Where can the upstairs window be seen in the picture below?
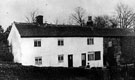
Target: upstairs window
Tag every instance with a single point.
(60, 42)
(90, 41)
(38, 60)
(60, 58)
(37, 43)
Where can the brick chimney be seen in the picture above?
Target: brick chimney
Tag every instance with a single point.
(90, 22)
(39, 19)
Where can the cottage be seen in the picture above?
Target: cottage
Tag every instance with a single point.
(41, 44)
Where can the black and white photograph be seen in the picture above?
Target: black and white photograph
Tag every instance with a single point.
(67, 40)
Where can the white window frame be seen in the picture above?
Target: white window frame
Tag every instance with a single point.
(60, 58)
(91, 56)
(90, 41)
(38, 60)
(37, 43)
(60, 42)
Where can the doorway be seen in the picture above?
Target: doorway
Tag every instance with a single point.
(70, 60)
(83, 59)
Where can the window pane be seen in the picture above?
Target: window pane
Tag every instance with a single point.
(38, 60)
(60, 42)
(91, 57)
(97, 55)
(39, 43)
(60, 58)
(90, 41)
(84, 57)
(35, 43)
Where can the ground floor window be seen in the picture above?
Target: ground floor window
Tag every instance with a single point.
(60, 58)
(38, 60)
(91, 56)
(94, 55)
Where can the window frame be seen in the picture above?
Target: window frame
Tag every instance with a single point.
(95, 56)
(90, 41)
(91, 54)
(37, 43)
(60, 42)
(60, 58)
(91, 57)
(38, 60)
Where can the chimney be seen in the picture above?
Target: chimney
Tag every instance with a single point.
(90, 22)
(39, 19)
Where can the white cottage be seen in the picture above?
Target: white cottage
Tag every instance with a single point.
(55, 45)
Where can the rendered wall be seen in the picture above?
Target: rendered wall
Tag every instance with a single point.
(50, 50)
(15, 41)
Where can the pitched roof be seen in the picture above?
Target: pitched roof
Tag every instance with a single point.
(33, 30)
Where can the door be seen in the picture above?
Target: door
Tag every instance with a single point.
(70, 60)
(83, 59)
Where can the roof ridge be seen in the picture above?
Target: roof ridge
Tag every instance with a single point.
(22, 23)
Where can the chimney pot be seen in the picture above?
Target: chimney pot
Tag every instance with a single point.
(89, 22)
(39, 19)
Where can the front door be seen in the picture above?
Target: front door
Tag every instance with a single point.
(70, 60)
(83, 59)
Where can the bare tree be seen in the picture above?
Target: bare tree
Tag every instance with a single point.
(125, 16)
(70, 21)
(79, 15)
(31, 17)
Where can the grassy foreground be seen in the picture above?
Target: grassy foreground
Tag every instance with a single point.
(11, 71)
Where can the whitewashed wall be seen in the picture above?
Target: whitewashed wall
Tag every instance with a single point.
(15, 41)
(49, 51)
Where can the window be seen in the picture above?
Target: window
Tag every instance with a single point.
(91, 57)
(97, 55)
(90, 41)
(38, 60)
(60, 42)
(94, 55)
(60, 58)
(37, 43)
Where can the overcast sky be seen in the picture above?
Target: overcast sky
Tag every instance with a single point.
(16, 10)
